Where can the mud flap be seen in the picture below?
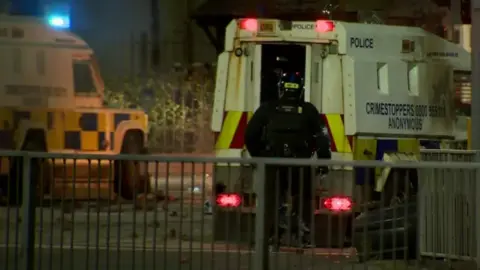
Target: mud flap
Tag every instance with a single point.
(385, 172)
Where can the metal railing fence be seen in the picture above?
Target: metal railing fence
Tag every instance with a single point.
(100, 212)
(447, 205)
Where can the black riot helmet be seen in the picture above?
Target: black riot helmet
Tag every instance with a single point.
(291, 86)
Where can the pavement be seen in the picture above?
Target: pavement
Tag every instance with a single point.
(83, 259)
(172, 258)
(90, 239)
(90, 225)
(110, 238)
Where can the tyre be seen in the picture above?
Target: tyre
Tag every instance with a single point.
(131, 177)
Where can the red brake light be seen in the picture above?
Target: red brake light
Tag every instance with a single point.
(338, 204)
(228, 200)
(324, 26)
(249, 25)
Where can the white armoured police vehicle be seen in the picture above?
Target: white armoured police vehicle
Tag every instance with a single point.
(380, 90)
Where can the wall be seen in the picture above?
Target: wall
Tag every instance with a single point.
(114, 28)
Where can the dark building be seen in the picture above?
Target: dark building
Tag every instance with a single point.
(134, 36)
(120, 31)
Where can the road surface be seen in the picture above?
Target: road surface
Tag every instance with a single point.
(91, 239)
(171, 259)
(102, 225)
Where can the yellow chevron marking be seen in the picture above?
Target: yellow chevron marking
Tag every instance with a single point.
(338, 133)
(408, 146)
(362, 144)
(229, 127)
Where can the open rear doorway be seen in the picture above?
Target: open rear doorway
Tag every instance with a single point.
(278, 59)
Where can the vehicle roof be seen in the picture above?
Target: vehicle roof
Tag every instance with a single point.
(38, 32)
(387, 41)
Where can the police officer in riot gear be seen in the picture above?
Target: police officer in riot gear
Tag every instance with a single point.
(288, 128)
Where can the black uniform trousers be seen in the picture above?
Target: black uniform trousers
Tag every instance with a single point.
(279, 181)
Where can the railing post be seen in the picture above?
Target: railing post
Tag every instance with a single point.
(477, 209)
(28, 214)
(424, 176)
(261, 256)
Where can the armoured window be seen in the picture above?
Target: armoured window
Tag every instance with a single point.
(40, 62)
(412, 78)
(83, 78)
(382, 78)
(17, 60)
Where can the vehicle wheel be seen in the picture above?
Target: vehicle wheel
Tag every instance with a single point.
(34, 142)
(132, 176)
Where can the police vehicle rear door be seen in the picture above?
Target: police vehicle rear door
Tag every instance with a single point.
(252, 74)
(314, 69)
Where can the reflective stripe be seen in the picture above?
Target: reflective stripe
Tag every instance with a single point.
(233, 130)
(336, 129)
(235, 122)
(229, 127)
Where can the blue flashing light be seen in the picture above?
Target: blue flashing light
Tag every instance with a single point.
(59, 21)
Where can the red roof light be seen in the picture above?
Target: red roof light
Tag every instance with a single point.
(249, 25)
(324, 26)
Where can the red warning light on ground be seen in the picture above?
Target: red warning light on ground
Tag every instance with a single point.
(323, 26)
(249, 25)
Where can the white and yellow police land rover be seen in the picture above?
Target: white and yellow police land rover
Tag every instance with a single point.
(52, 100)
